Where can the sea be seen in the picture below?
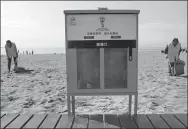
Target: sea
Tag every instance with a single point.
(60, 50)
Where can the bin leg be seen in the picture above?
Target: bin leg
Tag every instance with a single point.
(68, 105)
(136, 104)
(130, 104)
(73, 105)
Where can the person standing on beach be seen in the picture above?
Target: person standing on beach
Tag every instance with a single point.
(173, 52)
(11, 51)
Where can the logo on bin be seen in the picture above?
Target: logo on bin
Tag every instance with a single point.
(102, 19)
(72, 21)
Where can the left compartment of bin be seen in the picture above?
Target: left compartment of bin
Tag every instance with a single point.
(88, 68)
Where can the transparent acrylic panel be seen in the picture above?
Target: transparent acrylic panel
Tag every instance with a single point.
(88, 68)
(115, 68)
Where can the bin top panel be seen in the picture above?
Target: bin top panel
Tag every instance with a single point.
(101, 11)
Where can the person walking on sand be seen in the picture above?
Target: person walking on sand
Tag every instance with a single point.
(11, 51)
(173, 52)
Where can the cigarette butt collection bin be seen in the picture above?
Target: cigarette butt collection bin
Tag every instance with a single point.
(101, 51)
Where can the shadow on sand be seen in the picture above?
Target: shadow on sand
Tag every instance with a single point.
(183, 76)
(23, 70)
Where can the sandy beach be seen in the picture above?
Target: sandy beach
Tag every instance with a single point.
(44, 89)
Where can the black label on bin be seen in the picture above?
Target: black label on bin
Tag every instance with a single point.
(115, 37)
(88, 37)
(102, 44)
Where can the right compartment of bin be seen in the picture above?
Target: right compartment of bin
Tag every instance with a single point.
(115, 68)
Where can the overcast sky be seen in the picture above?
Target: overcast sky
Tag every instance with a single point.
(41, 24)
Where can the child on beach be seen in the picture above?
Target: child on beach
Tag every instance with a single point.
(11, 51)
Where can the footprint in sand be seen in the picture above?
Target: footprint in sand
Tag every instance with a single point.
(146, 96)
(177, 96)
(49, 76)
(169, 83)
(112, 102)
(80, 104)
(158, 102)
(44, 101)
(154, 96)
(11, 98)
(12, 92)
(155, 104)
(33, 80)
(47, 82)
(28, 103)
(49, 106)
(42, 83)
(14, 85)
(47, 91)
(152, 107)
(61, 100)
(51, 100)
